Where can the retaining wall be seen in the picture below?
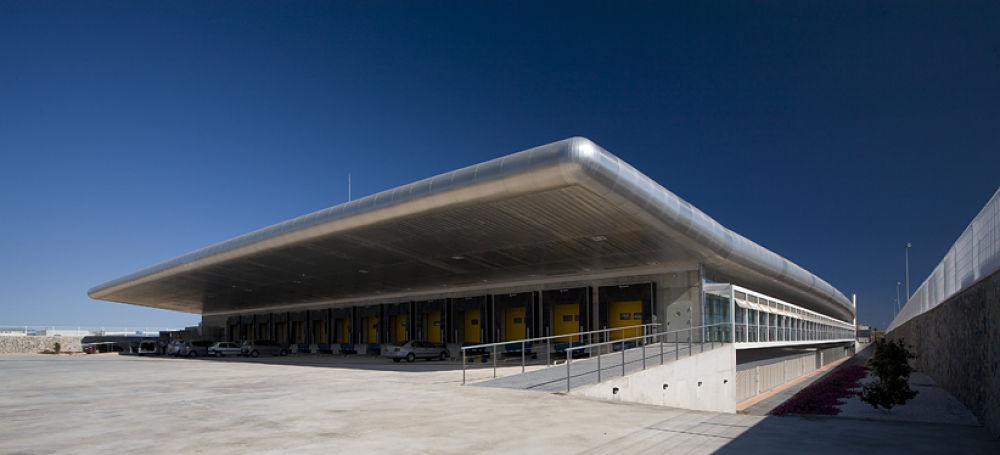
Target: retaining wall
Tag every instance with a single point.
(34, 345)
(958, 345)
(702, 382)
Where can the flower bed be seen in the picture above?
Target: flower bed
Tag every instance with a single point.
(823, 397)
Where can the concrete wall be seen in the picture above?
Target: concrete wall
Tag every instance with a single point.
(958, 345)
(32, 345)
(704, 382)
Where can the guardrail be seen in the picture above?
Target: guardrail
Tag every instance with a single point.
(643, 340)
(548, 345)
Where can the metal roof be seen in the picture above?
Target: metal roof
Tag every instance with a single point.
(560, 209)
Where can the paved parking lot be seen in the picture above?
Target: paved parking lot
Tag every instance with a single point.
(323, 404)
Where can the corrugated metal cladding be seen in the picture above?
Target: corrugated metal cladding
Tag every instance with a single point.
(561, 209)
(974, 256)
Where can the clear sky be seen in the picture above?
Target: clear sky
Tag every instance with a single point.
(829, 132)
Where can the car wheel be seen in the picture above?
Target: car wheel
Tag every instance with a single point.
(218, 353)
(397, 359)
(410, 357)
(283, 352)
(254, 354)
(193, 354)
(444, 355)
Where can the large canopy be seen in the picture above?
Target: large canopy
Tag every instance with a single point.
(563, 209)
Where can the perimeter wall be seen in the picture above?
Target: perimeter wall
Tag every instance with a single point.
(957, 343)
(34, 345)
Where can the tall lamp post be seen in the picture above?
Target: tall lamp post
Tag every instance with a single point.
(908, 245)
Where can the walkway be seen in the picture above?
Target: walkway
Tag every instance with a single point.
(584, 371)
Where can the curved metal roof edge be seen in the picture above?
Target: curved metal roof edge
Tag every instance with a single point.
(576, 160)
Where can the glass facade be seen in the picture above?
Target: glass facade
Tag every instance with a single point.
(758, 318)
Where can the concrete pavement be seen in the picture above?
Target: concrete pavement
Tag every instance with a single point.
(101, 404)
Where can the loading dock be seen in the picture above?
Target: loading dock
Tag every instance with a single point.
(297, 321)
(397, 328)
(565, 311)
(246, 327)
(371, 329)
(341, 327)
(625, 305)
(280, 323)
(428, 320)
(513, 314)
(319, 323)
(469, 326)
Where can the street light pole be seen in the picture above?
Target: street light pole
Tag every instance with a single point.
(908, 245)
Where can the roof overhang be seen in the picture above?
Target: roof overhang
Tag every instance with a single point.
(563, 209)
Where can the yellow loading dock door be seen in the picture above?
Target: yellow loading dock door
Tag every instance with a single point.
(565, 311)
(566, 319)
(473, 320)
(432, 326)
(430, 320)
(513, 316)
(515, 325)
(371, 324)
(344, 329)
(466, 321)
(281, 332)
(319, 332)
(396, 324)
(626, 305)
(399, 322)
(624, 314)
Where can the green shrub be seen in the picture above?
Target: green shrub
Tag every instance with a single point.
(890, 364)
(57, 347)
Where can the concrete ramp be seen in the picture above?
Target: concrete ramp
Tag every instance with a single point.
(585, 371)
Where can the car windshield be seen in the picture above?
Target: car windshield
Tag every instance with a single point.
(401, 343)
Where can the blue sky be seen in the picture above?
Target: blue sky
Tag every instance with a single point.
(131, 133)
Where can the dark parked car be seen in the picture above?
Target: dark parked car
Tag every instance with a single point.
(193, 348)
(254, 348)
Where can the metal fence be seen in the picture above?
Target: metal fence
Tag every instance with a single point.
(79, 331)
(974, 256)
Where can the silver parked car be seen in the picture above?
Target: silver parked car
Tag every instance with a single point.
(412, 350)
(224, 348)
(172, 347)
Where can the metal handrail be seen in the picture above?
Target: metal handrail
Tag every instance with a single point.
(648, 335)
(562, 335)
(523, 342)
(659, 335)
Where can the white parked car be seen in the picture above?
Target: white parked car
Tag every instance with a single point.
(147, 347)
(412, 350)
(224, 348)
